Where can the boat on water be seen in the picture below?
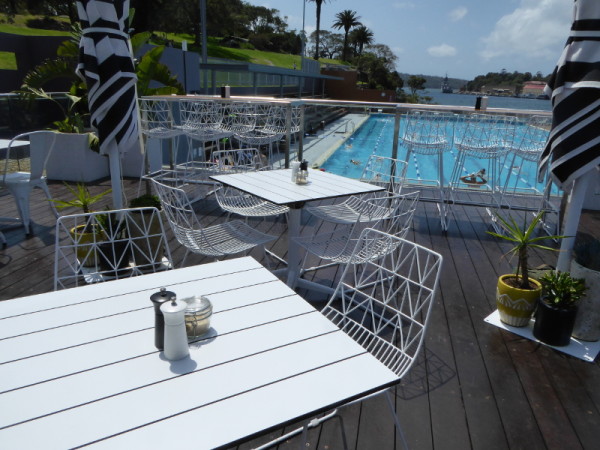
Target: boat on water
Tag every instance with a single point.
(446, 89)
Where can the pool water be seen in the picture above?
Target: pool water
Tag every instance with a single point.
(375, 137)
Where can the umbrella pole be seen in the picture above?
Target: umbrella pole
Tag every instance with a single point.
(115, 179)
(571, 219)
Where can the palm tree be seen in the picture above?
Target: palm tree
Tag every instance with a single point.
(318, 3)
(346, 20)
(361, 36)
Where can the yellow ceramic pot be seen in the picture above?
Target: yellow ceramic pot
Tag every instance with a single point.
(86, 253)
(515, 305)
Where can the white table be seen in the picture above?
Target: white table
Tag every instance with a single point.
(276, 186)
(79, 366)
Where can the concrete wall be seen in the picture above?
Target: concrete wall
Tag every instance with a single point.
(346, 89)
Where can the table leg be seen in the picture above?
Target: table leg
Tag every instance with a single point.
(293, 258)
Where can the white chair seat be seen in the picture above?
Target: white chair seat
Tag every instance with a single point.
(352, 210)
(223, 239)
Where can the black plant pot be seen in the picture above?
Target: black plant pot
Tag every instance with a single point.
(553, 326)
(114, 253)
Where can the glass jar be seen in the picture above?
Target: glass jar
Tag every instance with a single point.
(197, 316)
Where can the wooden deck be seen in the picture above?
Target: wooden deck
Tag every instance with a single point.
(474, 385)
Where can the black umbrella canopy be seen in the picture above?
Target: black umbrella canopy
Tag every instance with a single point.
(573, 148)
(106, 65)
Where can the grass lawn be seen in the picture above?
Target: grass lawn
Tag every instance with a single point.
(287, 61)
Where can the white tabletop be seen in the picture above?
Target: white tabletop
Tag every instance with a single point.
(276, 185)
(79, 366)
(4, 143)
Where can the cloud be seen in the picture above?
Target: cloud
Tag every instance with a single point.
(458, 13)
(441, 51)
(398, 50)
(536, 29)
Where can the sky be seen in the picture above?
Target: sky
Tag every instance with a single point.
(461, 38)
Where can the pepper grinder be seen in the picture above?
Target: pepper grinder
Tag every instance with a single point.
(302, 177)
(158, 298)
(176, 343)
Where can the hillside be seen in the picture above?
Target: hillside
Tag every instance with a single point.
(434, 82)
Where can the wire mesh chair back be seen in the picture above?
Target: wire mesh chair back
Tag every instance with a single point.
(533, 140)
(386, 172)
(239, 117)
(393, 216)
(157, 119)
(276, 118)
(200, 116)
(385, 304)
(180, 214)
(100, 246)
(485, 136)
(239, 160)
(426, 132)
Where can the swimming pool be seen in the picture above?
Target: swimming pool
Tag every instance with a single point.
(375, 137)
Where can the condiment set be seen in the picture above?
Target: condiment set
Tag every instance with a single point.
(299, 172)
(177, 321)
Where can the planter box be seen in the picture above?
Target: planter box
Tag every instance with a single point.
(71, 158)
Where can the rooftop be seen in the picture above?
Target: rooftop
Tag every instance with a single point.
(474, 385)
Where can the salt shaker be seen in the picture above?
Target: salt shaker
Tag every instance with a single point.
(158, 298)
(176, 344)
(295, 165)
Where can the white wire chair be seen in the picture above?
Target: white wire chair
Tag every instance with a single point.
(481, 143)
(382, 171)
(218, 241)
(19, 183)
(392, 215)
(234, 201)
(385, 306)
(201, 121)
(99, 246)
(523, 158)
(426, 133)
(157, 123)
(269, 127)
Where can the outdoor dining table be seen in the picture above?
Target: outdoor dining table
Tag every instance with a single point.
(277, 186)
(79, 367)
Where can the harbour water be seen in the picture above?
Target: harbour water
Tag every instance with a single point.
(440, 98)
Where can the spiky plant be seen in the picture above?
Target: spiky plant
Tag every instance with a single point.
(522, 239)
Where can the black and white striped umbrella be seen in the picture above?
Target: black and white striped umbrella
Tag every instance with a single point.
(574, 144)
(106, 65)
(572, 152)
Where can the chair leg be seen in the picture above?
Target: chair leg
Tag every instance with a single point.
(44, 187)
(396, 421)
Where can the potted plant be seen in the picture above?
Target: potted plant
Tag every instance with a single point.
(586, 264)
(517, 293)
(150, 249)
(114, 255)
(557, 309)
(83, 234)
(75, 154)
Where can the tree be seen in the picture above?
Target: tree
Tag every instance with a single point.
(346, 20)
(416, 83)
(318, 30)
(360, 37)
(331, 44)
